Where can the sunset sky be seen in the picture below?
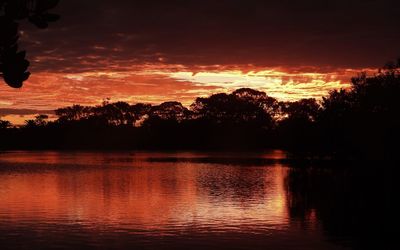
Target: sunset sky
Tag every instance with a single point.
(159, 50)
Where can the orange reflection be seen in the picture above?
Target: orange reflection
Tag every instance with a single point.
(123, 192)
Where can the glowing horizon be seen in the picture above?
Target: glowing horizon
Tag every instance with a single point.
(155, 84)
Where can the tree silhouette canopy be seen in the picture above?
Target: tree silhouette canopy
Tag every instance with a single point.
(358, 122)
(13, 65)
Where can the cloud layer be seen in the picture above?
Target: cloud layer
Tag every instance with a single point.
(102, 34)
(158, 50)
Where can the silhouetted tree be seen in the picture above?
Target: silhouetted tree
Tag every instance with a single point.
(13, 65)
(238, 107)
(269, 104)
(117, 113)
(362, 120)
(73, 113)
(304, 109)
(140, 112)
(170, 111)
(296, 127)
(5, 124)
(39, 121)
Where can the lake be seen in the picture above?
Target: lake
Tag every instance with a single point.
(183, 200)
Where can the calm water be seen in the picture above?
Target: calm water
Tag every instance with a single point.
(172, 201)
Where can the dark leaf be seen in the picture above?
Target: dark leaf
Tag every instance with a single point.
(16, 10)
(20, 56)
(44, 5)
(49, 17)
(15, 81)
(38, 21)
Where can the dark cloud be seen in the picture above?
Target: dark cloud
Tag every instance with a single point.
(95, 34)
(22, 112)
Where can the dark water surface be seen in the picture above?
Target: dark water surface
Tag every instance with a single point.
(53, 200)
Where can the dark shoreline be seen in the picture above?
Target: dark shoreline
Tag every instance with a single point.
(236, 157)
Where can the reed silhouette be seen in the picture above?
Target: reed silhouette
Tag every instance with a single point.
(13, 65)
(359, 122)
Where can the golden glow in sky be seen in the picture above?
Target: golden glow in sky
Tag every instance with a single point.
(283, 86)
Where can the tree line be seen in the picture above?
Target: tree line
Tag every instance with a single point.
(361, 121)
